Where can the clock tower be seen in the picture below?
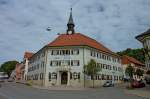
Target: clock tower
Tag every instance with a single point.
(70, 24)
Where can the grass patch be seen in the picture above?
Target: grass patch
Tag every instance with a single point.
(29, 83)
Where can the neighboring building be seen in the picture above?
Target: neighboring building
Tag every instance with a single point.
(127, 60)
(144, 38)
(27, 56)
(61, 62)
(18, 71)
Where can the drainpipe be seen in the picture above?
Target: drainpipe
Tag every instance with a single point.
(45, 64)
(83, 67)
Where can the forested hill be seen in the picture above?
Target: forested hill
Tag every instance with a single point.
(136, 53)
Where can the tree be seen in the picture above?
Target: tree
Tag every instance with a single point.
(8, 67)
(129, 71)
(136, 53)
(91, 69)
(139, 72)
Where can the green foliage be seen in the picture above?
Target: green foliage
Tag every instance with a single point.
(8, 67)
(139, 72)
(148, 72)
(29, 83)
(130, 71)
(91, 69)
(136, 53)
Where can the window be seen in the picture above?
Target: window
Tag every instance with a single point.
(100, 55)
(93, 53)
(103, 56)
(75, 51)
(102, 76)
(54, 75)
(97, 55)
(107, 77)
(41, 76)
(75, 75)
(49, 76)
(54, 52)
(71, 75)
(75, 63)
(67, 52)
(99, 77)
(54, 63)
(37, 66)
(78, 75)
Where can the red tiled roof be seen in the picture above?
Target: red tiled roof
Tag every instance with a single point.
(127, 60)
(28, 55)
(78, 39)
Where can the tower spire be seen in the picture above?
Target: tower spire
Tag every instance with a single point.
(70, 24)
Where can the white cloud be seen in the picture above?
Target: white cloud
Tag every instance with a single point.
(115, 23)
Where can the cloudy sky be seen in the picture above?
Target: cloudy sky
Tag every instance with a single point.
(115, 23)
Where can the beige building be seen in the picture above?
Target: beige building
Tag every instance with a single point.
(127, 60)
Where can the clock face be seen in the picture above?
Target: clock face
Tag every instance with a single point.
(69, 32)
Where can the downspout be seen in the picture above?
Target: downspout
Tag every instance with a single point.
(83, 67)
(46, 50)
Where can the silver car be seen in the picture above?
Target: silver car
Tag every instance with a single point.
(108, 84)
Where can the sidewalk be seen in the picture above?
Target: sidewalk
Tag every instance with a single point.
(54, 87)
(60, 88)
(142, 92)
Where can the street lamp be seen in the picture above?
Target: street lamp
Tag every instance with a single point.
(113, 77)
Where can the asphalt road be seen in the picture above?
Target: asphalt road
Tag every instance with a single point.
(19, 91)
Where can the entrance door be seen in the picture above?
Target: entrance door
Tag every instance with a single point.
(64, 78)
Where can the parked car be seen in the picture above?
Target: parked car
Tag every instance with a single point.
(108, 84)
(138, 84)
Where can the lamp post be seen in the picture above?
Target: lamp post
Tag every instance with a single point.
(113, 76)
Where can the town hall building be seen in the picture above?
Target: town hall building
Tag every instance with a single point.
(61, 62)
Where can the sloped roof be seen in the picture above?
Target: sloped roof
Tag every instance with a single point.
(28, 55)
(78, 39)
(141, 36)
(127, 60)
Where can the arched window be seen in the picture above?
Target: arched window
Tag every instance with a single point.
(49, 76)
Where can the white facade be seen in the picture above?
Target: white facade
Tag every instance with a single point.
(146, 44)
(144, 38)
(58, 66)
(26, 62)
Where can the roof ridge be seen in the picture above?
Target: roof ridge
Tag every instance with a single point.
(134, 59)
(95, 41)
